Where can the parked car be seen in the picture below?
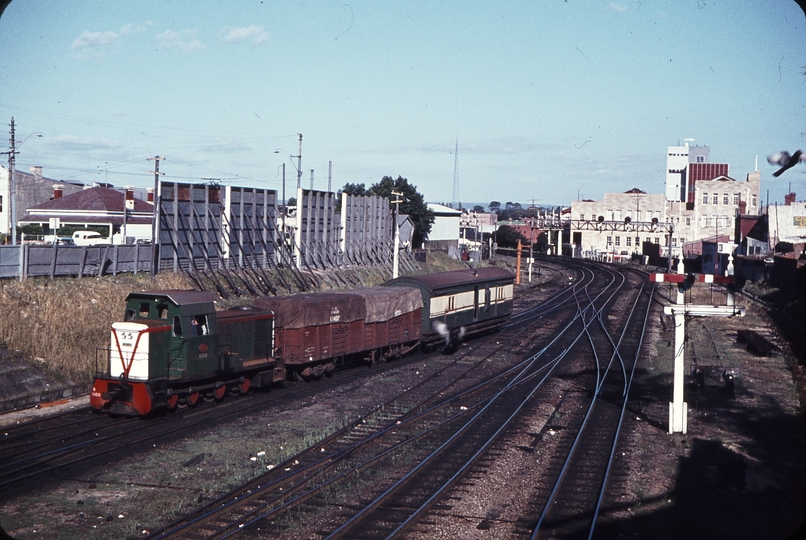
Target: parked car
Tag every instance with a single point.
(88, 238)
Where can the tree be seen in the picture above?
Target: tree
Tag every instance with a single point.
(413, 205)
(353, 189)
(495, 207)
(507, 236)
(479, 209)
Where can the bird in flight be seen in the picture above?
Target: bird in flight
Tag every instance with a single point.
(785, 160)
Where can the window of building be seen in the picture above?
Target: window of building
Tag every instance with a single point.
(674, 241)
(755, 200)
(657, 240)
(648, 240)
(582, 217)
(704, 198)
(735, 199)
(725, 221)
(1, 203)
(629, 241)
(715, 199)
(618, 240)
(725, 198)
(612, 215)
(609, 240)
(688, 222)
(704, 221)
(637, 241)
(700, 159)
(618, 215)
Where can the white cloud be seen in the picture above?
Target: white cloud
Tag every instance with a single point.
(95, 40)
(95, 44)
(255, 34)
(184, 41)
(619, 7)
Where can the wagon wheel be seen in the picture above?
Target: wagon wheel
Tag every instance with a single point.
(244, 385)
(318, 371)
(330, 367)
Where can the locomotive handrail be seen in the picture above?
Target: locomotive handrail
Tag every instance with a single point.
(148, 330)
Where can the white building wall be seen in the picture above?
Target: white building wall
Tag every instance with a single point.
(5, 202)
(641, 208)
(446, 223)
(676, 170)
(787, 223)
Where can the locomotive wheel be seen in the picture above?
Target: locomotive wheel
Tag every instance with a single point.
(220, 391)
(193, 398)
(244, 386)
(173, 401)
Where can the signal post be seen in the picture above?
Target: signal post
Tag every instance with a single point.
(678, 408)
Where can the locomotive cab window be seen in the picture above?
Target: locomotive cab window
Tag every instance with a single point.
(162, 311)
(198, 325)
(177, 326)
(144, 309)
(129, 315)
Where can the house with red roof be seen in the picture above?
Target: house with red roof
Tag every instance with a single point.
(114, 213)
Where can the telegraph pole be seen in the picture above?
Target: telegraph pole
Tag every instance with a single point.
(155, 226)
(12, 186)
(299, 163)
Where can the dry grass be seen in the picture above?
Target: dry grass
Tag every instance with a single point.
(61, 323)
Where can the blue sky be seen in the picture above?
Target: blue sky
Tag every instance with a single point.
(547, 99)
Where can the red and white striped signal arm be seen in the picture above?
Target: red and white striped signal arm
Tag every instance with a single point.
(680, 278)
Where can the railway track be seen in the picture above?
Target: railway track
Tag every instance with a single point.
(405, 431)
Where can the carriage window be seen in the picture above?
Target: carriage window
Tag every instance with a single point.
(162, 311)
(144, 310)
(487, 294)
(129, 315)
(177, 326)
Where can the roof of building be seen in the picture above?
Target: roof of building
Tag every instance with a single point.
(96, 199)
(443, 211)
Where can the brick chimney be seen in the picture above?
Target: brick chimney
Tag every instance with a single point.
(36, 170)
(57, 191)
(129, 190)
(150, 196)
(742, 207)
(789, 198)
